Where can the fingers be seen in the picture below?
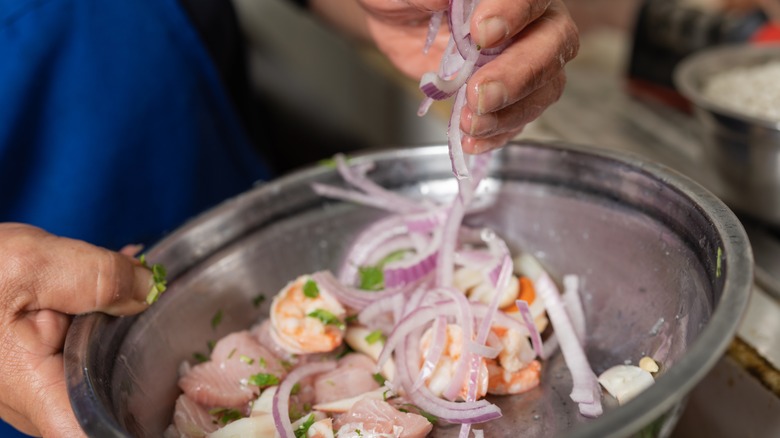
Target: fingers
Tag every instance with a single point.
(43, 271)
(494, 21)
(33, 396)
(517, 86)
(492, 130)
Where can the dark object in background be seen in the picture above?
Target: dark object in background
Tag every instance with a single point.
(667, 31)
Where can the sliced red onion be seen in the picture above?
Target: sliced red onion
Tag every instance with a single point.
(392, 245)
(280, 407)
(453, 412)
(433, 29)
(573, 303)
(464, 430)
(403, 272)
(425, 105)
(482, 350)
(357, 299)
(536, 337)
(459, 166)
(356, 177)
(367, 242)
(425, 222)
(585, 388)
(438, 339)
(444, 271)
(333, 192)
(439, 87)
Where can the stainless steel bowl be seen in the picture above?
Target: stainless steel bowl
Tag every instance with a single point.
(666, 269)
(744, 149)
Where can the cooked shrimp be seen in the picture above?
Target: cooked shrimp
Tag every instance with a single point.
(502, 381)
(306, 318)
(446, 368)
(476, 286)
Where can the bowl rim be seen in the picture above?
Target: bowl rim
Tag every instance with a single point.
(686, 77)
(700, 358)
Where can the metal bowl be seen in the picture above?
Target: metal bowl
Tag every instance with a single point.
(745, 150)
(666, 271)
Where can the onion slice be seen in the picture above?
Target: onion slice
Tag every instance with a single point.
(281, 401)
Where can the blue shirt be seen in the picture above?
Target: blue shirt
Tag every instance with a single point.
(114, 126)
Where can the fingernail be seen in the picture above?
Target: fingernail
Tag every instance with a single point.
(483, 125)
(491, 30)
(491, 96)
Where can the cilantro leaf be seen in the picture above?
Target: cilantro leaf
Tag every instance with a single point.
(216, 319)
(371, 278)
(375, 336)
(327, 318)
(160, 284)
(263, 379)
(310, 289)
(303, 429)
(225, 415)
(378, 378)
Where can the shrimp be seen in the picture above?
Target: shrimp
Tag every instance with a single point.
(503, 382)
(306, 318)
(446, 368)
(514, 370)
(475, 285)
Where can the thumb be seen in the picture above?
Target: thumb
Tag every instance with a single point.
(69, 276)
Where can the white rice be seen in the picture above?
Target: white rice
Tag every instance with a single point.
(753, 90)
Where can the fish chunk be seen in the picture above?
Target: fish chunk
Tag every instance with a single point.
(378, 418)
(353, 376)
(225, 380)
(191, 419)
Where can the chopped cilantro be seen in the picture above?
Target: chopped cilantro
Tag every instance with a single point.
(246, 359)
(286, 364)
(210, 345)
(200, 357)
(262, 362)
(358, 432)
(351, 318)
(371, 278)
(232, 352)
(310, 289)
(375, 336)
(295, 389)
(160, 284)
(225, 415)
(216, 319)
(379, 378)
(719, 263)
(303, 429)
(263, 380)
(258, 300)
(326, 318)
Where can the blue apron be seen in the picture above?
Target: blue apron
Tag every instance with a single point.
(114, 126)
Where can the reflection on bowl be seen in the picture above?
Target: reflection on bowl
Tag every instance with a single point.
(666, 271)
(744, 148)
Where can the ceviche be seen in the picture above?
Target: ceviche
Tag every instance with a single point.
(425, 322)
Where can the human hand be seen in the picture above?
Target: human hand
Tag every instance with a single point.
(506, 93)
(44, 280)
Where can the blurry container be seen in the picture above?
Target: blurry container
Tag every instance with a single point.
(744, 149)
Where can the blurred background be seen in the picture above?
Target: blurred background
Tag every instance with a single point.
(329, 97)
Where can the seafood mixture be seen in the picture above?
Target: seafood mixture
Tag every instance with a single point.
(427, 319)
